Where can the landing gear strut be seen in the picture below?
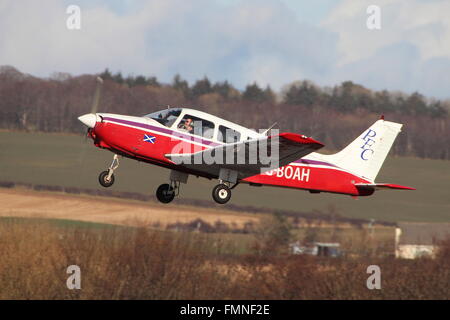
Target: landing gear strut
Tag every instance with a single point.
(106, 178)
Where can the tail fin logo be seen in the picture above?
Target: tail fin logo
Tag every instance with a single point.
(368, 144)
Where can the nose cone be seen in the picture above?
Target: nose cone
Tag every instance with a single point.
(88, 120)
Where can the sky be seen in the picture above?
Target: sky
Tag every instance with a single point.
(271, 42)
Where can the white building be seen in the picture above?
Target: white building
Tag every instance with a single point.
(414, 240)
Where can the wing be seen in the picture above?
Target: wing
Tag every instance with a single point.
(249, 157)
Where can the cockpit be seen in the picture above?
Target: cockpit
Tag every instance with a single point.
(203, 125)
(165, 117)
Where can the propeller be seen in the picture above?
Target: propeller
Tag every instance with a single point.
(96, 100)
(90, 119)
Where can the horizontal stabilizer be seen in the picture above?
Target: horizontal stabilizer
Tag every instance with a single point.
(382, 186)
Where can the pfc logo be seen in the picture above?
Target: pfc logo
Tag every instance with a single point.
(368, 144)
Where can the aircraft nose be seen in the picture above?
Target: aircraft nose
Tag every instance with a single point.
(88, 120)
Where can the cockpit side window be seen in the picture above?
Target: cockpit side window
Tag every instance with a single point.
(228, 135)
(197, 126)
(165, 117)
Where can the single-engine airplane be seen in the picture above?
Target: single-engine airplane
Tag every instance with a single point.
(185, 140)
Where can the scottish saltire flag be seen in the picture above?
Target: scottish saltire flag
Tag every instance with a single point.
(149, 138)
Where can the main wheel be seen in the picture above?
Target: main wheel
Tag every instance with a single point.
(221, 193)
(103, 179)
(165, 193)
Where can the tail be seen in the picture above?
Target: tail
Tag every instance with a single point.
(366, 154)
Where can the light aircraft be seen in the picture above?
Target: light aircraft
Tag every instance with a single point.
(185, 140)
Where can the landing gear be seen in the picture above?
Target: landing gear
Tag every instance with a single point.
(221, 193)
(106, 178)
(165, 193)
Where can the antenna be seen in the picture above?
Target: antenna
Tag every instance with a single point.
(265, 132)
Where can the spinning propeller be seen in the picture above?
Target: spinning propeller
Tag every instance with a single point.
(91, 118)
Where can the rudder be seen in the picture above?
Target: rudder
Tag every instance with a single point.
(366, 154)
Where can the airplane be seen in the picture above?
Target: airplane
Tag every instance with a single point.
(185, 140)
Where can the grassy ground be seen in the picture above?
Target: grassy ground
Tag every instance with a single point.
(96, 213)
(62, 223)
(141, 263)
(68, 160)
(229, 243)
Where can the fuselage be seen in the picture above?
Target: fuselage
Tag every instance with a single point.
(148, 139)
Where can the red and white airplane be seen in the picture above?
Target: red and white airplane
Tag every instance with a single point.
(182, 140)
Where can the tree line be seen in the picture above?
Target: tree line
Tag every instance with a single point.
(334, 115)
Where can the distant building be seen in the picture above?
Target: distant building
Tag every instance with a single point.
(317, 249)
(414, 240)
(328, 249)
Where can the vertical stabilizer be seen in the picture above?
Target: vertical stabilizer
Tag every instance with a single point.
(366, 154)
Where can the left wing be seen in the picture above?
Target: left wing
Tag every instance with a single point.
(277, 151)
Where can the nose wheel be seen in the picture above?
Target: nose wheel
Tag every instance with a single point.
(221, 193)
(106, 178)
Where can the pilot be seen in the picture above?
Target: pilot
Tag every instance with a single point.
(187, 125)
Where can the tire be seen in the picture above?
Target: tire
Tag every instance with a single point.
(221, 194)
(103, 181)
(165, 193)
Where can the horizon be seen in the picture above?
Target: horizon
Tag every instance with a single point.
(279, 93)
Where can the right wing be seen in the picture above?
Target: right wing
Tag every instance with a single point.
(278, 151)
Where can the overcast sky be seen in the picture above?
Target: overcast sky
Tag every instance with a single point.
(268, 41)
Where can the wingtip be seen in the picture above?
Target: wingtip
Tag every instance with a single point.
(301, 138)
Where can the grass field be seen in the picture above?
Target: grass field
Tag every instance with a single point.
(69, 160)
(33, 204)
(89, 212)
(227, 242)
(142, 263)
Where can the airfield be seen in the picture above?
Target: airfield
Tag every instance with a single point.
(129, 246)
(49, 205)
(71, 161)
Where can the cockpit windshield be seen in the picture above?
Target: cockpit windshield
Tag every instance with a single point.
(165, 117)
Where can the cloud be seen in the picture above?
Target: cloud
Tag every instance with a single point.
(414, 38)
(248, 41)
(239, 41)
(423, 23)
